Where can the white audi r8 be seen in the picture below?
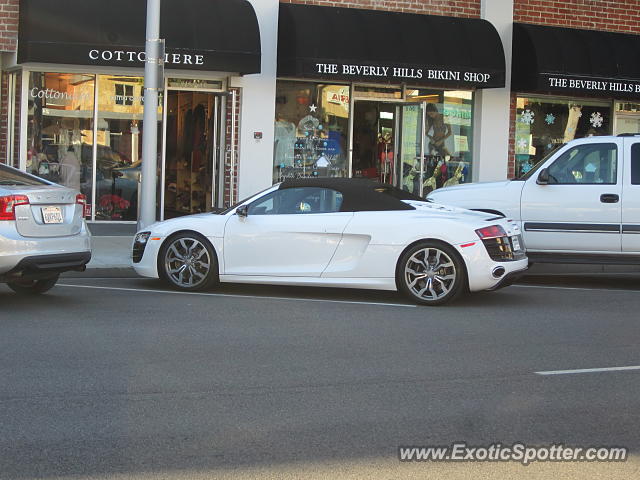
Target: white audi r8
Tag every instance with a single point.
(336, 233)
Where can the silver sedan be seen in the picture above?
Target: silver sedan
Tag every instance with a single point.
(42, 231)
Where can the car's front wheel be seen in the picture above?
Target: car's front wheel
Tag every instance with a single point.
(187, 262)
(33, 287)
(431, 273)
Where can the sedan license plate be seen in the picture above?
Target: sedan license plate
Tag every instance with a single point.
(52, 215)
(515, 241)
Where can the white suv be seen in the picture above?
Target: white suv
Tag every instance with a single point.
(580, 204)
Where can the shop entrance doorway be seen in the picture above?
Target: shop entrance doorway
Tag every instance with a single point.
(375, 140)
(191, 152)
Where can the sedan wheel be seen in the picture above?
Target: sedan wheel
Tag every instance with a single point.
(33, 286)
(188, 262)
(431, 273)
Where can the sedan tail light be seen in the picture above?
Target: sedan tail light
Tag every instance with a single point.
(8, 204)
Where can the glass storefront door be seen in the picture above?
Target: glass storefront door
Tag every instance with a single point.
(412, 167)
(191, 159)
(375, 135)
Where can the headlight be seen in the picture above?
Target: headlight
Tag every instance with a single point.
(142, 237)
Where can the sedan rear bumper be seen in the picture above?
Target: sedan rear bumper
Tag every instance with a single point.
(41, 266)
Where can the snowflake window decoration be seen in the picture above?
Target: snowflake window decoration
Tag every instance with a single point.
(596, 119)
(522, 144)
(550, 119)
(527, 117)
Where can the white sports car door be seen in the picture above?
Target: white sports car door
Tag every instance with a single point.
(290, 232)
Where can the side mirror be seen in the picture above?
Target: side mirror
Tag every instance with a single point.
(543, 177)
(242, 211)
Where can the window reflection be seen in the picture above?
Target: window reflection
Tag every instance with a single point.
(60, 128)
(311, 130)
(543, 123)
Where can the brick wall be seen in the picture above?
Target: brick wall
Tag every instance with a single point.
(451, 8)
(229, 147)
(622, 16)
(610, 15)
(4, 120)
(8, 25)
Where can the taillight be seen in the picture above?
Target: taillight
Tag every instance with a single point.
(81, 199)
(8, 205)
(492, 231)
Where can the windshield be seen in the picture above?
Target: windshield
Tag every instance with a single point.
(228, 209)
(11, 176)
(537, 166)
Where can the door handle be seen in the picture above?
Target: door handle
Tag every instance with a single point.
(609, 198)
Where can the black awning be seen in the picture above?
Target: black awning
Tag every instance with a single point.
(372, 45)
(213, 35)
(572, 61)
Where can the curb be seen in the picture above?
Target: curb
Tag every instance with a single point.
(105, 272)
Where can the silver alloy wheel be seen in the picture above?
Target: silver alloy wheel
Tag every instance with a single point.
(430, 274)
(187, 262)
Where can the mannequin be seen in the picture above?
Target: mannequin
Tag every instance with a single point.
(70, 169)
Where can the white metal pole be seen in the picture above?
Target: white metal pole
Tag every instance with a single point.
(150, 118)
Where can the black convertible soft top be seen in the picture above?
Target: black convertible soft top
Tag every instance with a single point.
(359, 194)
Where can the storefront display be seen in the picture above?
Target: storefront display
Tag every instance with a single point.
(61, 137)
(60, 128)
(627, 118)
(544, 123)
(77, 101)
(311, 130)
(447, 140)
(104, 161)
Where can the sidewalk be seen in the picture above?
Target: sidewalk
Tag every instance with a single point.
(111, 256)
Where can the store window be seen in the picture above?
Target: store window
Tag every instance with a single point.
(311, 130)
(119, 147)
(627, 118)
(448, 141)
(60, 128)
(544, 123)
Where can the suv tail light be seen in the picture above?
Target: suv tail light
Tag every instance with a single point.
(81, 199)
(8, 204)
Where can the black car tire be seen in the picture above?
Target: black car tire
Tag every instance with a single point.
(182, 260)
(33, 287)
(431, 273)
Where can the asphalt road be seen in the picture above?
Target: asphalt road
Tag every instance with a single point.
(120, 378)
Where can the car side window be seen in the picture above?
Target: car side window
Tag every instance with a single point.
(587, 164)
(635, 164)
(300, 200)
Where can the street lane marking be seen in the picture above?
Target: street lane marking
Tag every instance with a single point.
(231, 295)
(588, 370)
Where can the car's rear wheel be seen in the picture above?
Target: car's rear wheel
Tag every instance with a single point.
(33, 287)
(431, 273)
(187, 262)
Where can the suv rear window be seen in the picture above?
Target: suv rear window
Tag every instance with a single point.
(11, 176)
